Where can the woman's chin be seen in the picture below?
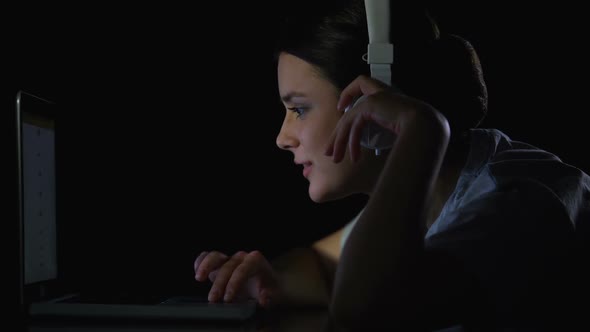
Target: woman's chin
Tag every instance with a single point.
(316, 194)
(316, 199)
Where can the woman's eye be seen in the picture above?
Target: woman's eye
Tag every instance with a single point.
(300, 111)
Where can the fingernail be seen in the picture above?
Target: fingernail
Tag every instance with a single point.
(212, 296)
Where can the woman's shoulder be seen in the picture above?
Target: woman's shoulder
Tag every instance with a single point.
(539, 175)
(505, 162)
(497, 148)
(507, 179)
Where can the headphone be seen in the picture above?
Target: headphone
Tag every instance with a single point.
(379, 57)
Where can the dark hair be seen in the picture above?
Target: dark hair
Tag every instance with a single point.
(441, 69)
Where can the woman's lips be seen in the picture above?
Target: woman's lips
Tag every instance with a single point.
(306, 169)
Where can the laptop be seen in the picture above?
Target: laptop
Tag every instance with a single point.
(42, 290)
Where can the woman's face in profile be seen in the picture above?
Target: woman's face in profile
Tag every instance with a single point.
(311, 116)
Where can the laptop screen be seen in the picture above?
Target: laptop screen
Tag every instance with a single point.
(36, 144)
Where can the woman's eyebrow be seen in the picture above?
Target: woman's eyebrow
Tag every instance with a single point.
(289, 96)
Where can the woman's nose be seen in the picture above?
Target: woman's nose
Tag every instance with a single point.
(286, 139)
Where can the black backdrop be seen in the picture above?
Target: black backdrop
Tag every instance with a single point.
(166, 142)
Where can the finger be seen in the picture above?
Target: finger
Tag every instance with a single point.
(362, 85)
(341, 139)
(330, 148)
(266, 298)
(250, 267)
(349, 93)
(210, 262)
(213, 275)
(329, 151)
(218, 288)
(199, 260)
(354, 142)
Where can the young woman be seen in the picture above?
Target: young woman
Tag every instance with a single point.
(464, 227)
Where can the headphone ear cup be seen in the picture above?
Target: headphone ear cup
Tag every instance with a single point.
(354, 102)
(373, 136)
(348, 107)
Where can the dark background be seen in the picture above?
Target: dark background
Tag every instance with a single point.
(169, 117)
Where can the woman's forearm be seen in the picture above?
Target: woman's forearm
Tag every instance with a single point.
(381, 260)
(303, 278)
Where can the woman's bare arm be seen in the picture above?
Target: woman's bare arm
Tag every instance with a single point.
(306, 274)
(381, 263)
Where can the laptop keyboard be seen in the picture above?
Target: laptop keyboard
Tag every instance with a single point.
(116, 299)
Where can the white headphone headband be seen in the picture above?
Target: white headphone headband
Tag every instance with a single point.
(380, 49)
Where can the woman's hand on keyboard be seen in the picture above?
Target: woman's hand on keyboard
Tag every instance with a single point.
(239, 276)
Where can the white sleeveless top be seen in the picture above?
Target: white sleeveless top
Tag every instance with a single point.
(348, 228)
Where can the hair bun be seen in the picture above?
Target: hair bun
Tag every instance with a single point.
(448, 75)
